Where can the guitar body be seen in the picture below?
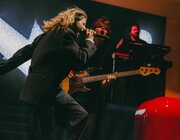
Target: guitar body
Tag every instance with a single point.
(65, 84)
(72, 85)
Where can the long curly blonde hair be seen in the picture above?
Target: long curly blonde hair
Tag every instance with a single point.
(64, 19)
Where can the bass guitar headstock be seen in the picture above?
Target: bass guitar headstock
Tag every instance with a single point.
(145, 71)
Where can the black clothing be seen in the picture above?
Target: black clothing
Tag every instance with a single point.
(127, 89)
(67, 113)
(53, 55)
(94, 100)
(126, 45)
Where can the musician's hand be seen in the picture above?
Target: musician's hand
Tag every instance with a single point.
(110, 78)
(90, 34)
(71, 74)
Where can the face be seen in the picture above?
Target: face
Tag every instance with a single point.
(135, 31)
(101, 31)
(81, 24)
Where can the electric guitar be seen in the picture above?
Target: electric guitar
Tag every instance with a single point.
(72, 85)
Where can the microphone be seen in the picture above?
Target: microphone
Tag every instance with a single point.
(102, 36)
(97, 35)
(83, 30)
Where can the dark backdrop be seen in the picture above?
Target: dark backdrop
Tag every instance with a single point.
(21, 14)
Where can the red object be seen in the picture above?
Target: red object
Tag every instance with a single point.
(158, 119)
(121, 54)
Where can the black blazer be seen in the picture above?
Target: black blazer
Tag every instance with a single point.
(53, 55)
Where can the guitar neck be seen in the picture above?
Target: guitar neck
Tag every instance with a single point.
(91, 79)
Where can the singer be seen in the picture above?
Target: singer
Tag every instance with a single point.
(53, 55)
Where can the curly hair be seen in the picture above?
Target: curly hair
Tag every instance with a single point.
(64, 19)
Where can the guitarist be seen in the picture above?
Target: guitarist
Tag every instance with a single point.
(92, 100)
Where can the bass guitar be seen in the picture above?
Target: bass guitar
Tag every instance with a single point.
(72, 85)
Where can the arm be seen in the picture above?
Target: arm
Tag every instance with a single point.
(81, 53)
(21, 56)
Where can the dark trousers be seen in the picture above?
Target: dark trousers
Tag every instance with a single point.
(66, 111)
(93, 102)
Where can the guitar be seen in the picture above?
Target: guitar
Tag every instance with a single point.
(72, 85)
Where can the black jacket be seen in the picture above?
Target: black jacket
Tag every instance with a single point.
(53, 55)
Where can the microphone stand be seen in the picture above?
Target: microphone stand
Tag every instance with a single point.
(113, 70)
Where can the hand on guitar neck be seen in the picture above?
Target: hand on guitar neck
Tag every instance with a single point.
(110, 78)
(73, 74)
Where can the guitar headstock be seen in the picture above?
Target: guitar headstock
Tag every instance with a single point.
(145, 71)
